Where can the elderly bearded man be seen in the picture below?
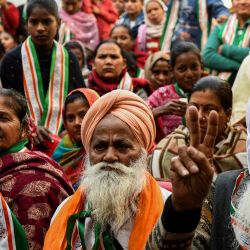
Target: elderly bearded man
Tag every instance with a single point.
(118, 202)
(118, 199)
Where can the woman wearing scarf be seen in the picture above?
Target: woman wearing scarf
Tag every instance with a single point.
(78, 25)
(31, 183)
(150, 33)
(158, 70)
(70, 152)
(110, 72)
(228, 44)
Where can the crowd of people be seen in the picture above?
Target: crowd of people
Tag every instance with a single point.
(124, 124)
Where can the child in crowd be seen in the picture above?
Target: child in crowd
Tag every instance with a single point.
(150, 33)
(70, 152)
(78, 25)
(105, 13)
(133, 16)
(124, 37)
(8, 41)
(158, 70)
(80, 52)
(166, 102)
(120, 6)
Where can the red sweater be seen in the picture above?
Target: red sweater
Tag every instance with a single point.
(105, 19)
(10, 19)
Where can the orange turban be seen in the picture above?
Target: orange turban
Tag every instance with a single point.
(126, 106)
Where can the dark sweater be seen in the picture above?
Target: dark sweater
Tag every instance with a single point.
(12, 76)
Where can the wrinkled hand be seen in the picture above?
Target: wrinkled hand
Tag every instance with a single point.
(174, 107)
(42, 136)
(191, 170)
(96, 10)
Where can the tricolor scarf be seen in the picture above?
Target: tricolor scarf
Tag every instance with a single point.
(239, 224)
(12, 234)
(172, 18)
(45, 109)
(66, 221)
(228, 35)
(102, 88)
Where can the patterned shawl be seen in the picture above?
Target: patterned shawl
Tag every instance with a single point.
(229, 152)
(33, 186)
(68, 154)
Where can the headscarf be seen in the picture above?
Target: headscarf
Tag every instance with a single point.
(67, 153)
(151, 61)
(152, 29)
(126, 106)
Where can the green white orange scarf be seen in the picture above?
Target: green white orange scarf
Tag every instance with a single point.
(228, 35)
(45, 109)
(126, 83)
(172, 18)
(12, 233)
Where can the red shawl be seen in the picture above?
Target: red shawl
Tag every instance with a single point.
(33, 185)
(96, 83)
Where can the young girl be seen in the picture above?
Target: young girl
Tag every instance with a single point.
(70, 152)
(133, 16)
(78, 25)
(81, 54)
(42, 70)
(158, 70)
(150, 33)
(166, 102)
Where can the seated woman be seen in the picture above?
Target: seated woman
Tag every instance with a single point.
(168, 103)
(32, 184)
(228, 43)
(110, 72)
(77, 24)
(209, 93)
(123, 35)
(150, 34)
(158, 70)
(70, 152)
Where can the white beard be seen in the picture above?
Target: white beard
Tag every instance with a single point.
(243, 214)
(113, 193)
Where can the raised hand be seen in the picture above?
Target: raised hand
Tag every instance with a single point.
(191, 170)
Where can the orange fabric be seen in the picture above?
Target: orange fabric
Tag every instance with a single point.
(56, 236)
(150, 207)
(126, 106)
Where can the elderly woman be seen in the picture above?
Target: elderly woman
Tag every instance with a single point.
(110, 72)
(209, 93)
(32, 184)
(228, 44)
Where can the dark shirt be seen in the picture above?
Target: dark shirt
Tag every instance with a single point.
(12, 76)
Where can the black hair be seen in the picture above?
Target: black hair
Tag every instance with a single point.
(131, 63)
(17, 103)
(126, 27)
(182, 47)
(75, 45)
(49, 5)
(221, 89)
(111, 41)
(74, 96)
